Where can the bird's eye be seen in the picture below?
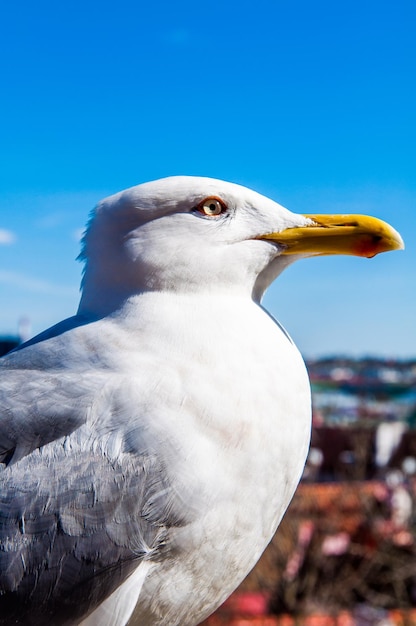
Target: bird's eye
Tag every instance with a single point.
(212, 207)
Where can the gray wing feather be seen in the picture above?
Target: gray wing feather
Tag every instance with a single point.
(80, 506)
(37, 408)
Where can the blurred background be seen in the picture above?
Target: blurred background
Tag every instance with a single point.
(310, 103)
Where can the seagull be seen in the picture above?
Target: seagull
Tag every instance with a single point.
(151, 443)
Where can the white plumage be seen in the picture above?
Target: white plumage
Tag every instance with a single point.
(152, 442)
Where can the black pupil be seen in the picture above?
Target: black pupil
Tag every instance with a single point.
(213, 207)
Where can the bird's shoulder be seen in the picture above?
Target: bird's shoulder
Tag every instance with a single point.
(59, 381)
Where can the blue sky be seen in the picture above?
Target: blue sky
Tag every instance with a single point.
(311, 103)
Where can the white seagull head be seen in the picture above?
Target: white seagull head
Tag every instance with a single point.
(186, 233)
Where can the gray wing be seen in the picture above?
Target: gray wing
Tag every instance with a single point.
(79, 509)
(35, 409)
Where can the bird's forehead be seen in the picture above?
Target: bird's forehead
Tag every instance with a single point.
(182, 191)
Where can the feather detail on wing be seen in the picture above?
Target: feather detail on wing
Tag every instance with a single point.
(80, 499)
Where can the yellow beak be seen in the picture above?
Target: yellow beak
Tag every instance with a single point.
(359, 235)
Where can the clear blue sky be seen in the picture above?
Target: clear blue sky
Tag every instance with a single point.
(312, 103)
